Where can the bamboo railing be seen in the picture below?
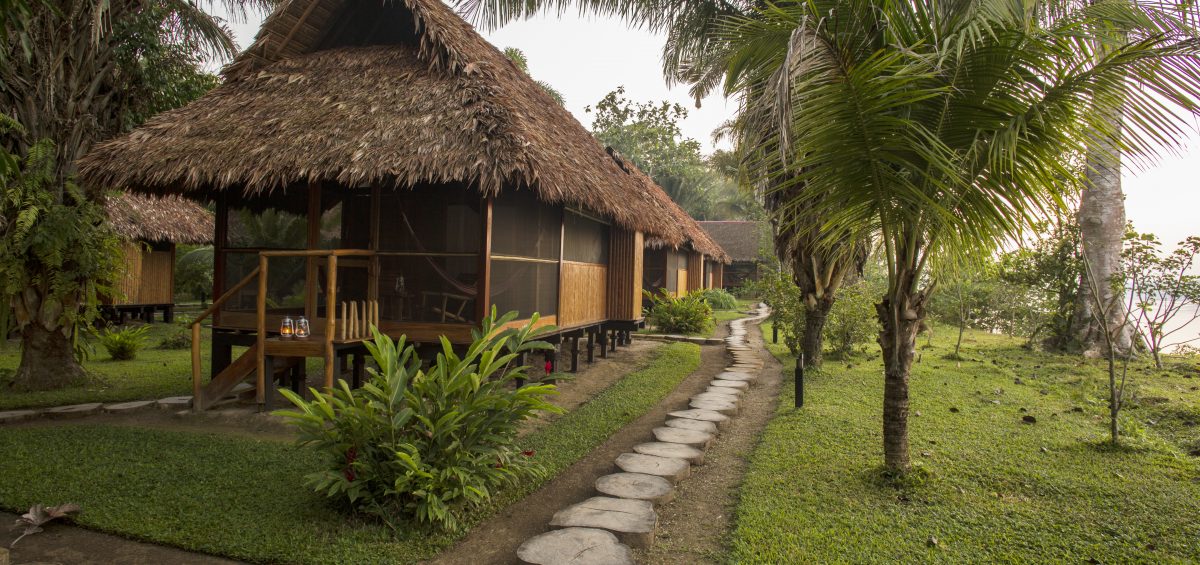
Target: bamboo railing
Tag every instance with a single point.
(216, 305)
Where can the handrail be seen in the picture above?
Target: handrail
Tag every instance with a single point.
(225, 297)
(196, 330)
(318, 253)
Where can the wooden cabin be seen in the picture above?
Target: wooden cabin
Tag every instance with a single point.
(742, 240)
(380, 162)
(150, 228)
(698, 264)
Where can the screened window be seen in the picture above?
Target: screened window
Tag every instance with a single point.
(523, 226)
(431, 219)
(586, 239)
(526, 287)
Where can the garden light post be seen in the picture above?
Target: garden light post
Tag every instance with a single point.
(800, 381)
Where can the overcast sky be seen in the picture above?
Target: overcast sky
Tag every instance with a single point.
(585, 58)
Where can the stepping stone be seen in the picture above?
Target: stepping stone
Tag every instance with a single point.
(692, 438)
(10, 416)
(73, 411)
(744, 377)
(696, 425)
(633, 521)
(724, 407)
(575, 546)
(672, 450)
(718, 396)
(674, 470)
(717, 418)
(731, 391)
(127, 407)
(636, 486)
(724, 383)
(175, 402)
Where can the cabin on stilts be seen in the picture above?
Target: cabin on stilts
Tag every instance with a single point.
(149, 228)
(380, 163)
(745, 242)
(697, 264)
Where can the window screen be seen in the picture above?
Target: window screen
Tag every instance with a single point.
(525, 286)
(430, 219)
(428, 289)
(523, 226)
(270, 229)
(586, 239)
(345, 219)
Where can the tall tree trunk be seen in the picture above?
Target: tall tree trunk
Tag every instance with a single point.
(812, 343)
(47, 360)
(1101, 220)
(900, 315)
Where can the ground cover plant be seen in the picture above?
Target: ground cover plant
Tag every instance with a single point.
(164, 486)
(1018, 468)
(687, 314)
(156, 373)
(123, 343)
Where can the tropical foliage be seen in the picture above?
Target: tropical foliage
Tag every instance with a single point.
(687, 314)
(426, 445)
(123, 343)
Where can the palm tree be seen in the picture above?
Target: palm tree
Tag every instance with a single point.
(946, 128)
(73, 72)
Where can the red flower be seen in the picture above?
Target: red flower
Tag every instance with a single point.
(529, 453)
(351, 455)
(349, 474)
(549, 366)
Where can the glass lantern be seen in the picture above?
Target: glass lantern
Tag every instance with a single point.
(287, 329)
(302, 329)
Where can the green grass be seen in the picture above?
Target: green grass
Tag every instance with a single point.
(245, 498)
(998, 490)
(155, 373)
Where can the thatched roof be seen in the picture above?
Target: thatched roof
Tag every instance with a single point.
(398, 93)
(137, 217)
(740, 239)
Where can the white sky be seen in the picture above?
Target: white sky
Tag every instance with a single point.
(586, 58)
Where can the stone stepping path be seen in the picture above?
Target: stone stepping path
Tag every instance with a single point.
(697, 425)
(575, 546)
(673, 450)
(689, 438)
(669, 468)
(636, 486)
(94, 408)
(603, 528)
(633, 521)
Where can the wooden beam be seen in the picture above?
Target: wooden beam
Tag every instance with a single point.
(261, 318)
(196, 367)
(313, 241)
(299, 23)
(220, 241)
(483, 298)
(330, 318)
(374, 270)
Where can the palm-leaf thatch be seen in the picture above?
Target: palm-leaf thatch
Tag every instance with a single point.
(168, 219)
(396, 93)
(741, 239)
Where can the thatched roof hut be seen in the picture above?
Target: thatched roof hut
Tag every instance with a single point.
(169, 219)
(741, 239)
(393, 93)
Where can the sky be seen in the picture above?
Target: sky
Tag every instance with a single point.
(585, 58)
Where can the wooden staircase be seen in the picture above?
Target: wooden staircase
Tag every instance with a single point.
(240, 370)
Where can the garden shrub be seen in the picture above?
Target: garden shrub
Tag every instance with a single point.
(122, 344)
(687, 314)
(777, 290)
(719, 298)
(852, 321)
(177, 339)
(426, 445)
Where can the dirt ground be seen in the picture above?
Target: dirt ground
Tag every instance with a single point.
(496, 540)
(694, 527)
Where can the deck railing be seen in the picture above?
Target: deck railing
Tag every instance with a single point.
(216, 305)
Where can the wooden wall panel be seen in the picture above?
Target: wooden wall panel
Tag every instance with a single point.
(158, 277)
(695, 269)
(718, 275)
(582, 296)
(625, 264)
(125, 289)
(681, 282)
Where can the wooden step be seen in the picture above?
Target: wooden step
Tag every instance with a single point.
(241, 369)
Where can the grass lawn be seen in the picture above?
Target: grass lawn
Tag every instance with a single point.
(245, 498)
(998, 490)
(156, 373)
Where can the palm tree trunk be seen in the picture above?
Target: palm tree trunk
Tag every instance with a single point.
(1101, 218)
(812, 343)
(900, 315)
(47, 360)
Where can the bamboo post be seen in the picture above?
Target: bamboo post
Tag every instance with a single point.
(330, 320)
(260, 381)
(353, 319)
(342, 325)
(196, 402)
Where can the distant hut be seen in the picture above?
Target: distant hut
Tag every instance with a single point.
(150, 228)
(697, 264)
(743, 241)
(381, 162)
